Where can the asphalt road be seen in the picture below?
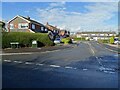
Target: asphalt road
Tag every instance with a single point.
(88, 65)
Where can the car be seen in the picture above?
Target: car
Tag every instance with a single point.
(57, 41)
(116, 41)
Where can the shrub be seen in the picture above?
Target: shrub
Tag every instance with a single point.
(25, 39)
(112, 40)
(103, 41)
(79, 39)
(66, 40)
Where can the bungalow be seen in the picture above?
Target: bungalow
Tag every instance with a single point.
(25, 24)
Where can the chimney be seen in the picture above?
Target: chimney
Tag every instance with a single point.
(47, 23)
(28, 17)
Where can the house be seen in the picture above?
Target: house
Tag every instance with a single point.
(64, 33)
(25, 24)
(54, 31)
(95, 35)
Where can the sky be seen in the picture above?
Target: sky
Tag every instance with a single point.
(73, 16)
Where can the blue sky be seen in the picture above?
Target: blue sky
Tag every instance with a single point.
(75, 16)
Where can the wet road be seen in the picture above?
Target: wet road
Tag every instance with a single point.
(89, 65)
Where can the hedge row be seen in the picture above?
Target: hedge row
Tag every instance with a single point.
(25, 39)
(79, 39)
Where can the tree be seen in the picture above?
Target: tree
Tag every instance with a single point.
(112, 40)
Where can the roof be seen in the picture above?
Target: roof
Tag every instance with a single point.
(96, 33)
(50, 26)
(31, 20)
(27, 19)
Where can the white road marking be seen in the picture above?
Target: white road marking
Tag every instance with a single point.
(39, 64)
(111, 50)
(74, 68)
(111, 72)
(28, 63)
(17, 61)
(14, 53)
(54, 66)
(91, 48)
(85, 69)
(7, 60)
(69, 67)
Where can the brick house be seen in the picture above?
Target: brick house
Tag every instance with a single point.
(54, 31)
(64, 33)
(57, 32)
(25, 24)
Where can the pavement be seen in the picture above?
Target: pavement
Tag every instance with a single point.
(88, 65)
(39, 49)
(112, 47)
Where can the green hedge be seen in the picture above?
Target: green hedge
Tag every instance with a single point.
(66, 40)
(25, 39)
(79, 39)
(103, 41)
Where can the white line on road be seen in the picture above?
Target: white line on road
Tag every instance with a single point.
(14, 53)
(17, 61)
(7, 60)
(69, 67)
(91, 48)
(39, 64)
(111, 50)
(28, 63)
(54, 65)
(85, 69)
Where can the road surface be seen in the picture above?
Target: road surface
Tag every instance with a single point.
(88, 65)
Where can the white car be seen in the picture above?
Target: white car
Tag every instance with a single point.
(57, 41)
(116, 42)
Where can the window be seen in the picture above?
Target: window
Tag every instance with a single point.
(11, 26)
(46, 29)
(23, 25)
(33, 26)
(42, 28)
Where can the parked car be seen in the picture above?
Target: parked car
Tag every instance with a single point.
(116, 41)
(57, 41)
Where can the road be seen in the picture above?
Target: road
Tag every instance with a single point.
(88, 65)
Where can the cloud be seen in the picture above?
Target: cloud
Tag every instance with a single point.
(94, 19)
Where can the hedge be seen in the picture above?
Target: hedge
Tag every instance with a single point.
(79, 39)
(66, 40)
(25, 39)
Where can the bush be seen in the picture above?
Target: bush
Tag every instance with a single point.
(79, 39)
(103, 41)
(112, 40)
(66, 40)
(25, 39)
